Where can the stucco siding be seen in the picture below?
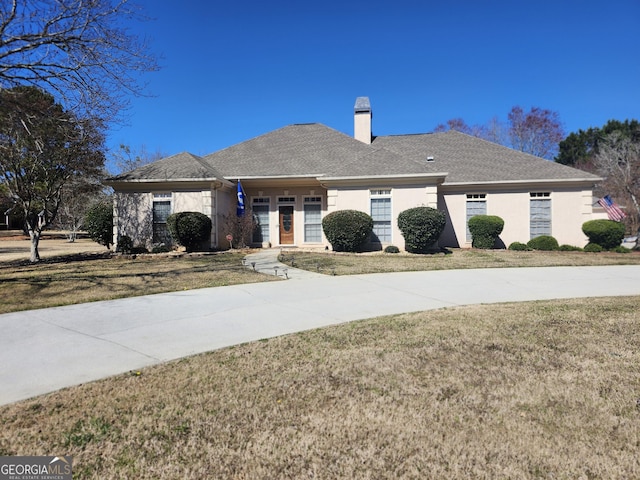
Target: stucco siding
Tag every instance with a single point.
(453, 206)
(402, 198)
(188, 202)
(133, 217)
(570, 208)
(513, 208)
(133, 211)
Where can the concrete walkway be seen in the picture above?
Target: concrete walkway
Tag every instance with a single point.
(45, 350)
(266, 261)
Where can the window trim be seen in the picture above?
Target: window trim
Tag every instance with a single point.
(160, 197)
(262, 201)
(382, 194)
(547, 225)
(314, 201)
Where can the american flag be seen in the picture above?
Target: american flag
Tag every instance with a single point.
(614, 212)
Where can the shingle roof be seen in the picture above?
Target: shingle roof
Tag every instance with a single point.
(182, 166)
(470, 159)
(308, 149)
(317, 150)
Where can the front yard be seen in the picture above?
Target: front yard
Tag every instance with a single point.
(70, 279)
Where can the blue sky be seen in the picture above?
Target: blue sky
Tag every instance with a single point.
(237, 69)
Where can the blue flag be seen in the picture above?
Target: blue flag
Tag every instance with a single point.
(241, 197)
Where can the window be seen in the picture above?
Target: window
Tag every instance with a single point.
(260, 209)
(381, 214)
(476, 205)
(161, 210)
(286, 199)
(313, 219)
(539, 214)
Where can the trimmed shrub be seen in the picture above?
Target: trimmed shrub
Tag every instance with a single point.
(621, 249)
(391, 249)
(347, 230)
(98, 222)
(189, 229)
(421, 227)
(485, 230)
(569, 248)
(543, 242)
(593, 248)
(125, 244)
(519, 246)
(606, 233)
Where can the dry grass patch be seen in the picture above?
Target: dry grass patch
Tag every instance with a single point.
(533, 390)
(378, 262)
(79, 279)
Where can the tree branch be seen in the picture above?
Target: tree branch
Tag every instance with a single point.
(78, 50)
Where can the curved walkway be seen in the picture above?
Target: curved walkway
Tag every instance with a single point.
(45, 350)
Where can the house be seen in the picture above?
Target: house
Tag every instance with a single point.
(294, 176)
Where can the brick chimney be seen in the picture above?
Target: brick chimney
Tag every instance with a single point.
(362, 120)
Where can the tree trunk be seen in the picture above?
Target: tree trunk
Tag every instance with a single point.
(35, 239)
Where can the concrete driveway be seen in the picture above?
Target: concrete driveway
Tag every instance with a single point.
(45, 350)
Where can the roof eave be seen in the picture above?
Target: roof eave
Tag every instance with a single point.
(112, 182)
(271, 177)
(522, 182)
(390, 176)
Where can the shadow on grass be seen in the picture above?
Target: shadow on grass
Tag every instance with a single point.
(69, 258)
(85, 278)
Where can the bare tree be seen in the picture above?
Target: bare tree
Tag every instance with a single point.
(457, 124)
(494, 131)
(537, 132)
(78, 196)
(239, 230)
(618, 161)
(79, 51)
(126, 158)
(488, 132)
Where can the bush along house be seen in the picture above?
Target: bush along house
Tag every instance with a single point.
(294, 176)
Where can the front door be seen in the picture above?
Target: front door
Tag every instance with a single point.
(286, 225)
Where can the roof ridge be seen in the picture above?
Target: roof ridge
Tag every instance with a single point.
(202, 162)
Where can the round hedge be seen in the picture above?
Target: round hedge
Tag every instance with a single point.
(189, 229)
(606, 233)
(347, 230)
(125, 244)
(593, 248)
(518, 246)
(543, 242)
(569, 248)
(485, 230)
(421, 227)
